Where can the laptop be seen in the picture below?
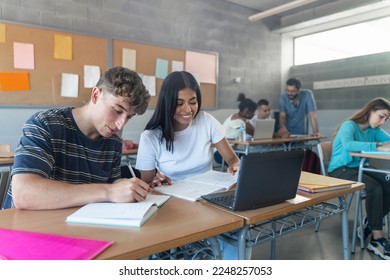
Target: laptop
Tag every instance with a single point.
(264, 179)
(264, 129)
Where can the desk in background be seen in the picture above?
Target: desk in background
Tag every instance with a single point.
(268, 223)
(6, 161)
(130, 155)
(284, 144)
(176, 223)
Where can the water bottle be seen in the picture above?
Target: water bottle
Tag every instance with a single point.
(242, 133)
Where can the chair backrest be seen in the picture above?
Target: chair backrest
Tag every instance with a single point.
(4, 176)
(324, 153)
(4, 185)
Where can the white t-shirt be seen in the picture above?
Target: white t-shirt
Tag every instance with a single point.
(191, 149)
(231, 127)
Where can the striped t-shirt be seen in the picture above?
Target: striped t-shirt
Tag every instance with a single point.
(53, 146)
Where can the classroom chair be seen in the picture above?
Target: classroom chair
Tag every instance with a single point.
(4, 176)
(324, 151)
(4, 185)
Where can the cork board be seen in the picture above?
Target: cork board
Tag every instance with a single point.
(146, 57)
(45, 78)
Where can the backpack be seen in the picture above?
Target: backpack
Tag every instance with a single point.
(311, 162)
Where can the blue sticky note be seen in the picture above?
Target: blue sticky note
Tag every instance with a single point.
(161, 68)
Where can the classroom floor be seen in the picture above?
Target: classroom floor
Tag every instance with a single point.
(306, 244)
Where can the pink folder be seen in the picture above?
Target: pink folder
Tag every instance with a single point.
(25, 245)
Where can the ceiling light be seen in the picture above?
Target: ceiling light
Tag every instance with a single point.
(280, 9)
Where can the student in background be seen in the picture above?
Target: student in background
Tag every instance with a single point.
(294, 107)
(71, 156)
(177, 140)
(263, 111)
(247, 108)
(362, 132)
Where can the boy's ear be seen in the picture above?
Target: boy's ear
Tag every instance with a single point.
(95, 94)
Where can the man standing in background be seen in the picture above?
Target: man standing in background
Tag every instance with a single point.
(294, 107)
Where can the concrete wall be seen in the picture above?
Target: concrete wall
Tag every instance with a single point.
(349, 97)
(247, 50)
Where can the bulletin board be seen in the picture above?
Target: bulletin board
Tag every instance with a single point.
(146, 57)
(45, 78)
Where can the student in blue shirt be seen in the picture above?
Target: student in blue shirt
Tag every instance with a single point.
(71, 156)
(294, 107)
(362, 132)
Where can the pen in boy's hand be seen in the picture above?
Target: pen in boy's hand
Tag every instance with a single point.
(131, 170)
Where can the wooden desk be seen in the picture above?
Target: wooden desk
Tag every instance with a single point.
(176, 223)
(305, 209)
(129, 152)
(285, 143)
(6, 161)
(358, 207)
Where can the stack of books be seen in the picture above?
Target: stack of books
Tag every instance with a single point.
(312, 183)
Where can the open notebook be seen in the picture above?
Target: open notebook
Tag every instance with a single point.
(118, 214)
(194, 187)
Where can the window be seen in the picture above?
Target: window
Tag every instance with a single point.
(354, 40)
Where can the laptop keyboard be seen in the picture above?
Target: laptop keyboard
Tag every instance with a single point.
(225, 200)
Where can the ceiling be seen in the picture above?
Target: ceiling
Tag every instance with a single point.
(292, 18)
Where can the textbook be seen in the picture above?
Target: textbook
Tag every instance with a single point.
(118, 214)
(194, 187)
(312, 183)
(26, 245)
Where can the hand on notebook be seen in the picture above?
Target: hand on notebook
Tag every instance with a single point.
(128, 190)
(160, 179)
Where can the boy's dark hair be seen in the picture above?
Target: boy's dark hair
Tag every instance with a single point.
(121, 81)
(262, 102)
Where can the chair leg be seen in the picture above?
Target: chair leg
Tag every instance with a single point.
(350, 201)
(361, 223)
(358, 215)
(388, 225)
(317, 226)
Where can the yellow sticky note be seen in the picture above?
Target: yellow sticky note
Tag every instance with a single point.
(63, 47)
(2, 33)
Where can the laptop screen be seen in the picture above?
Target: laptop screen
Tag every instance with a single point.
(264, 129)
(264, 179)
(268, 178)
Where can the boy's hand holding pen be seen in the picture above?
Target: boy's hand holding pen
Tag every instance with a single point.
(159, 180)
